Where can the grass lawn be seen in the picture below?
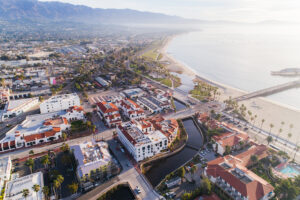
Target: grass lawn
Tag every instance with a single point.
(152, 54)
(166, 82)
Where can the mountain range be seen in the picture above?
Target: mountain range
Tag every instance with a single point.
(36, 11)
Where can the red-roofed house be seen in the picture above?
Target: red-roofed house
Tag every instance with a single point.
(109, 112)
(231, 176)
(132, 110)
(234, 140)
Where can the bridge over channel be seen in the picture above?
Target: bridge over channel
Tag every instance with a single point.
(269, 91)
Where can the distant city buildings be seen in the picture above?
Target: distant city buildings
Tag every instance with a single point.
(14, 188)
(59, 102)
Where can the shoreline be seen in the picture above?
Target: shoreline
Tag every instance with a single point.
(267, 109)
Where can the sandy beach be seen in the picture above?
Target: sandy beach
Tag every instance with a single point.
(272, 112)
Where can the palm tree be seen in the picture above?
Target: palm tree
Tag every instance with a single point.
(262, 122)
(25, 193)
(56, 185)
(254, 158)
(73, 187)
(46, 191)
(279, 132)
(45, 161)
(282, 124)
(269, 139)
(59, 180)
(289, 136)
(271, 126)
(30, 164)
(36, 188)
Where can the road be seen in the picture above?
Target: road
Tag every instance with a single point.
(279, 142)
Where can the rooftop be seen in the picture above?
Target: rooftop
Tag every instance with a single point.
(134, 134)
(15, 187)
(61, 97)
(90, 156)
(17, 104)
(232, 171)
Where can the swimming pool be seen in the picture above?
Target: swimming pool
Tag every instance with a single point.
(290, 171)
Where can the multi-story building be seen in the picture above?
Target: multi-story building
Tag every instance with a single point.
(14, 188)
(41, 128)
(109, 112)
(59, 102)
(231, 140)
(141, 140)
(231, 176)
(17, 107)
(5, 169)
(92, 158)
(131, 109)
(168, 127)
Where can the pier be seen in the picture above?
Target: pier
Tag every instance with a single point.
(269, 91)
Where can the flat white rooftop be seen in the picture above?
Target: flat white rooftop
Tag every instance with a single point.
(15, 187)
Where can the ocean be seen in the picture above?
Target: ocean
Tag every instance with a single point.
(242, 56)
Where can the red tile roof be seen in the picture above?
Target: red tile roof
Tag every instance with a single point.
(255, 189)
(230, 139)
(107, 107)
(33, 137)
(261, 151)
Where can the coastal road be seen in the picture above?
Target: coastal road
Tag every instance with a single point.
(278, 142)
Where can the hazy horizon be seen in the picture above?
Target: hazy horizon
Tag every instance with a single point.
(230, 10)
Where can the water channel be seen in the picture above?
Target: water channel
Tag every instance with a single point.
(165, 166)
(179, 106)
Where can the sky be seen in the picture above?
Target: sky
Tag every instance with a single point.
(232, 10)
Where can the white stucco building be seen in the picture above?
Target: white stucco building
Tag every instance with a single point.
(14, 188)
(90, 156)
(17, 107)
(60, 102)
(141, 140)
(40, 128)
(131, 109)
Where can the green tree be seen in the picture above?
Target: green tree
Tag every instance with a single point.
(25, 193)
(206, 185)
(36, 189)
(31, 152)
(46, 191)
(269, 139)
(45, 161)
(181, 172)
(286, 190)
(65, 148)
(64, 136)
(254, 159)
(2, 82)
(271, 126)
(41, 99)
(227, 150)
(30, 163)
(73, 187)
